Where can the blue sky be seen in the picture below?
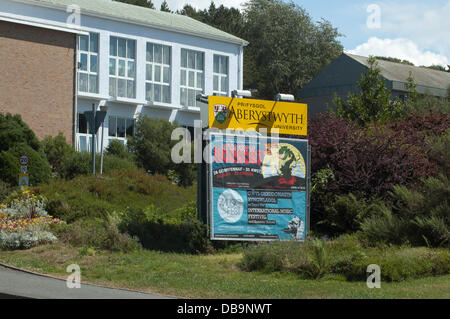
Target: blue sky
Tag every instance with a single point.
(408, 29)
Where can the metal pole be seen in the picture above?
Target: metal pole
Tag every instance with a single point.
(93, 138)
(101, 150)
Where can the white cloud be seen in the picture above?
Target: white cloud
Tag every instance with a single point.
(198, 4)
(399, 48)
(426, 22)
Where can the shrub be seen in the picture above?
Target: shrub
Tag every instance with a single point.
(57, 151)
(14, 131)
(177, 231)
(117, 148)
(96, 233)
(5, 190)
(25, 239)
(152, 145)
(80, 163)
(38, 168)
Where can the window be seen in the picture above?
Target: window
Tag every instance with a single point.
(84, 137)
(220, 75)
(192, 79)
(120, 128)
(122, 67)
(157, 73)
(88, 63)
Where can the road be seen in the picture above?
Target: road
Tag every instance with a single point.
(14, 283)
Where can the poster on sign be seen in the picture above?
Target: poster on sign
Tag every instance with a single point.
(258, 187)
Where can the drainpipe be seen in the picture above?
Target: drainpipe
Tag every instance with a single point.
(75, 97)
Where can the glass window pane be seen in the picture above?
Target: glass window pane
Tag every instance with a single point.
(84, 43)
(183, 96)
(224, 65)
(224, 84)
(112, 86)
(183, 58)
(93, 66)
(149, 54)
(112, 126)
(83, 144)
(148, 91)
(131, 69)
(199, 61)
(93, 42)
(130, 89)
(121, 68)
(191, 97)
(148, 72)
(166, 55)
(157, 77)
(112, 66)
(158, 53)
(121, 88)
(166, 94)
(113, 46)
(122, 47)
(191, 60)
(197, 93)
(199, 80)
(83, 61)
(83, 82)
(216, 83)
(216, 64)
(191, 80)
(157, 92)
(120, 127)
(131, 49)
(130, 127)
(183, 77)
(82, 123)
(166, 74)
(93, 83)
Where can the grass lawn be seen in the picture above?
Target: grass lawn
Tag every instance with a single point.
(206, 276)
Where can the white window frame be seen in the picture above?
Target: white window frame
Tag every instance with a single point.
(197, 87)
(88, 72)
(116, 58)
(152, 64)
(220, 75)
(120, 138)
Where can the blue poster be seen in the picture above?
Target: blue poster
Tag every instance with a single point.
(258, 188)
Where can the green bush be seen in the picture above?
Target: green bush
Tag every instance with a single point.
(346, 257)
(177, 231)
(5, 190)
(14, 131)
(57, 151)
(152, 146)
(80, 163)
(38, 168)
(25, 239)
(117, 148)
(96, 233)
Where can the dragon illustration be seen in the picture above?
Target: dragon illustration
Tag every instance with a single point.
(287, 159)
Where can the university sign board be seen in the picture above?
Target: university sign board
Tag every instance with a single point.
(244, 114)
(258, 187)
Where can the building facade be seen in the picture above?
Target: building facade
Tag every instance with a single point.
(124, 59)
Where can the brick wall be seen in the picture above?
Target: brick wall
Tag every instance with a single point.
(37, 77)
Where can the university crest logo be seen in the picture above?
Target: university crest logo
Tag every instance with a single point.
(220, 112)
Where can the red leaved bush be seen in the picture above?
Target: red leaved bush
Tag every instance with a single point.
(368, 159)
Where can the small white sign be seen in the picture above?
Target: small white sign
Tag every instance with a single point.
(24, 169)
(23, 160)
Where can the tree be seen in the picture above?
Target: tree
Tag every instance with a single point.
(287, 49)
(372, 103)
(165, 7)
(438, 68)
(395, 60)
(141, 3)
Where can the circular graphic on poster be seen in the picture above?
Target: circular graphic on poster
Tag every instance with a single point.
(230, 205)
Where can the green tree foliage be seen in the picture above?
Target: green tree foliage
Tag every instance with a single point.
(152, 146)
(287, 49)
(373, 101)
(165, 7)
(141, 3)
(57, 151)
(14, 131)
(438, 68)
